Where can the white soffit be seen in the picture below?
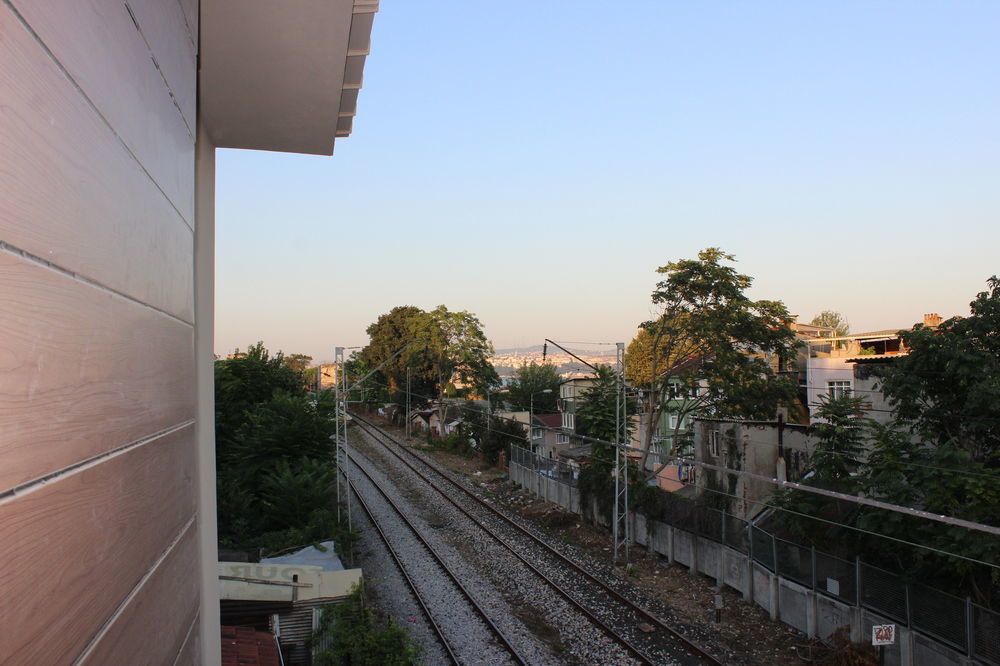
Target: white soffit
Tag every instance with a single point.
(282, 75)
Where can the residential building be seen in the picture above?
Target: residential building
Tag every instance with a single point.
(112, 111)
(547, 436)
(842, 365)
(772, 449)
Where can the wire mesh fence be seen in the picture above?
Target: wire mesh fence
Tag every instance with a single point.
(883, 592)
(939, 614)
(968, 627)
(836, 578)
(985, 634)
(793, 562)
(551, 469)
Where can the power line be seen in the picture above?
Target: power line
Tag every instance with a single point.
(949, 520)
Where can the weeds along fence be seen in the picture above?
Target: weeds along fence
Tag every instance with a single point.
(951, 621)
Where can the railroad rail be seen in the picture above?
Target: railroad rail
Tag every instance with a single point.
(436, 556)
(689, 646)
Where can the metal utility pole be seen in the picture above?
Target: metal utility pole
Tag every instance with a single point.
(340, 411)
(620, 524)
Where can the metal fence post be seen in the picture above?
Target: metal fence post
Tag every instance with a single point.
(857, 580)
(813, 553)
(774, 552)
(970, 627)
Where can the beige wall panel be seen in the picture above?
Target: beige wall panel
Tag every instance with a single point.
(191, 18)
(190, 654)
(86, 540)
(151, 629)
(101, 48)
(82, 371)
(164, 27)
(70, 192)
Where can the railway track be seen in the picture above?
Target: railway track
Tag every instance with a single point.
(420, 590)
(641, 633)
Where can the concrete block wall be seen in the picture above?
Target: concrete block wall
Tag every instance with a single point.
(812, 613)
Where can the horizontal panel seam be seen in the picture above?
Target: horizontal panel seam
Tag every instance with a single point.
(27, 487)
(156, 64)
(133, 592)
(69, 77)
(187, 637)
(90, 282)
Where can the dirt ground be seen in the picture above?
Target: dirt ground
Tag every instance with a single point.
(745, 633)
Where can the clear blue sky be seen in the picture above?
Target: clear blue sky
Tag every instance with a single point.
(534, 163)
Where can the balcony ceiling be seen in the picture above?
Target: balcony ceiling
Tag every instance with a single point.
(282, 75)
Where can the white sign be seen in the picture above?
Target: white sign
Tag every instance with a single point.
(883, 634)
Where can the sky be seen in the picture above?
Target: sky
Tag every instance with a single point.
(535, 163)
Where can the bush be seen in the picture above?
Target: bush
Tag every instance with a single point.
(357, 637)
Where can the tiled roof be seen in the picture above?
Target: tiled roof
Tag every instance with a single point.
(549, 420)
(244, 646)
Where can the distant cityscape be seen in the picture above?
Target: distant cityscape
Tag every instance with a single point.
(507, 361)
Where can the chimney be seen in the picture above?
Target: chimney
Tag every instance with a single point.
(932, 320)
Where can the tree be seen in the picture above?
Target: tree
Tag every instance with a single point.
(713, 346)
(834, 320)
(356, 636)
(841, 435)
(492, 435)
(297, 362)
(245, 380)
(458, 346)
(273, 455)
(948, 385)
(391, 332)
(532, 379)
(443, 344)
(597, 413)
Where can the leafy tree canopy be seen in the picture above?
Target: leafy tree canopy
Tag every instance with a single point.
(297, 362)
(532, 379)
(948, 385)
(718, 343)
(448, 344)
(833, 320)
(245, 380)
(596, 415)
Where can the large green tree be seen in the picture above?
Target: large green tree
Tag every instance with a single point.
(273, 456)
(948, 385)
(532, 380)
(597, 413)
(442, 345)
(834, 320)
(713, 346)
(391, 332)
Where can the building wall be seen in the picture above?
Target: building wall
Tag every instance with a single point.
(98, 462)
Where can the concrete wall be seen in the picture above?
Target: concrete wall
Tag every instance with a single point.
(98, 459)
(812, 613)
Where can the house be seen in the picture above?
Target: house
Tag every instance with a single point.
(836, 366)
(774, 449)
(286, 595)
(112, 112)
(545, 435)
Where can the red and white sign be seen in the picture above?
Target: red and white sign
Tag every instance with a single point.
(883, 634)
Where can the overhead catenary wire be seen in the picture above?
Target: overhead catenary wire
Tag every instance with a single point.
(949, 520)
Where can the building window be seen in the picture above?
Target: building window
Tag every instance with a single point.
(713, 443)
(569, 420)
(838, 389)
(673, 422)
(562, 438)
(536, 433)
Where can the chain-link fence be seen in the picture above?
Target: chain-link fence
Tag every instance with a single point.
(939, 614)
(985, 634)
(552, 469)
(968, 627)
